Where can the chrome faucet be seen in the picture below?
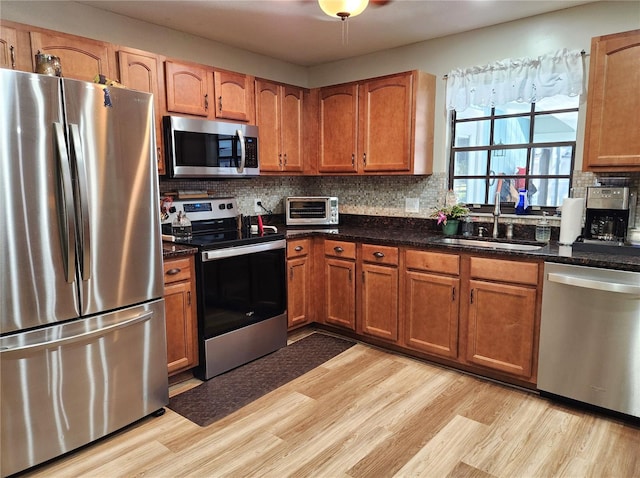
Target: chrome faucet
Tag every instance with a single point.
(496, 215)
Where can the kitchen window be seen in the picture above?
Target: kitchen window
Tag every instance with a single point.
(515, 146)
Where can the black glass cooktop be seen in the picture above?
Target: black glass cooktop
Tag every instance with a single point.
(221, 240)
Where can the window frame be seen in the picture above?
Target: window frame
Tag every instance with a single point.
(530, 146)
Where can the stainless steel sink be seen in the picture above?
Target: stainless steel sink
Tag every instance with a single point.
(510, 246)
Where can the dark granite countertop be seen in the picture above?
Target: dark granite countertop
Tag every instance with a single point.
(170, 250)
(427, 237)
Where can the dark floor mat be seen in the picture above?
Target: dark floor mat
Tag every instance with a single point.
(226, 393)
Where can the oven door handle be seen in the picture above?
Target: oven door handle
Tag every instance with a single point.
(242, 250)
(594, 284)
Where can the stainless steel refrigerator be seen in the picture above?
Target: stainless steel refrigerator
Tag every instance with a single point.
(82, 331)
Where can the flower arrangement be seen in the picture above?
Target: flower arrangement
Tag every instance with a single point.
(450, 212)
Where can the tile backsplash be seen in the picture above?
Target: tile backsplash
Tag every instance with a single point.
(363, 195)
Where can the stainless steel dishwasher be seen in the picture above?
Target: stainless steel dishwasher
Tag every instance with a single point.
(590, 336)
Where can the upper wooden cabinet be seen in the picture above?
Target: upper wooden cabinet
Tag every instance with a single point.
(187, 88)
(142, 71)
(612, 142)
(279, 116)
(8, 47)
(81, 58)
(378, 126)
(234, 96)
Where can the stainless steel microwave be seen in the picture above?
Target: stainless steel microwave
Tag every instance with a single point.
(312, 210)
(196, 148)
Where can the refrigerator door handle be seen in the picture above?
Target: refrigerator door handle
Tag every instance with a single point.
(94, 334)
(243, 152)
(68, 216)
(81, 176)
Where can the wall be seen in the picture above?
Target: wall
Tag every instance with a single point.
(571, 28)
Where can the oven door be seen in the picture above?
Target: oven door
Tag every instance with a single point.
(242, 300)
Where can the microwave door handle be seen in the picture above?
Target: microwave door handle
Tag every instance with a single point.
(243, 151)
(81, 176)
(68, 225)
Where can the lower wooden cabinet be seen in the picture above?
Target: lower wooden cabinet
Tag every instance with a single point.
(180, 314)
(379, 299)
(299, 273)
(502, 315)
(431, 302)
(340, 284)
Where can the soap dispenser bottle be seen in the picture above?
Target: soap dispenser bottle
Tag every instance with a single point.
(543, 229)
(523, 202)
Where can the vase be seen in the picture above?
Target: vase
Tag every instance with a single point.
(451, 227)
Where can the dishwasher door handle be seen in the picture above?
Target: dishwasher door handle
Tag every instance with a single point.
(594, 284)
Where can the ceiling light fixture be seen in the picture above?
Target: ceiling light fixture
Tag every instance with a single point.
(343, 9)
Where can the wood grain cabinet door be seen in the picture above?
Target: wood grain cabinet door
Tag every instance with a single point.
(299, 286)
(8, 46)
(431, 305)
(139, 71)
(340, 293)
(501, 327)
(612, 142)
(386, 124)
(268, 119)
(234, 98)
(292, 128)
(187, 89)
(379, 304)
(81, 58)
(338, 129)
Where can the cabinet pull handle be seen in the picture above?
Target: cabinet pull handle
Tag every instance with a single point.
(349, 275)
(189, 298)
(280, 159)
(364, 158)
(379, 255)
(353, 160)
(285, 159)
(453, 294)
(206, 102)
(291, 273)
(298, 248)
(13, 57)
(174, 271)
(220, 103)
(338, 249)
(472, 296)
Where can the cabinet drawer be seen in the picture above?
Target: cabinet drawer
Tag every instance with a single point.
(380, 254)
(433, 262)
(346, 250)
(176, 270)
(504, 271)
(298, 248)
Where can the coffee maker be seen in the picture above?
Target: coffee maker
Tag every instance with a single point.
(610, 212)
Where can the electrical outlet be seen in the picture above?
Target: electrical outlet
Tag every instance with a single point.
(256, 206)
(412, 204)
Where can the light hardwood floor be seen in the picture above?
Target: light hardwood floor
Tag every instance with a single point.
(370, 413)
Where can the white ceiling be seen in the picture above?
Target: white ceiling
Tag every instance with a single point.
(297, 31)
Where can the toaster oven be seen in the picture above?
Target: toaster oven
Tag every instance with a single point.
(312, 210)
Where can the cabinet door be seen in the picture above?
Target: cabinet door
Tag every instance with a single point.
(501, 327)
(612, 141)
(268, 121)
(187, 89)
(181, 352)
(386, 123)
(340, 293)
(338, 125)
(431, 313)
(299, 286)
(8, 45)
(81, 58)
(234, 96)
(380, 301)
(139, 71)
(292, 128)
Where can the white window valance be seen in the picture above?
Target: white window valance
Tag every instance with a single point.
(525, 80)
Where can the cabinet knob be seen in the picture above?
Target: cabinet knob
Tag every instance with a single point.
(338, 249)
(174, 271)
(298, 248)
(379, 255)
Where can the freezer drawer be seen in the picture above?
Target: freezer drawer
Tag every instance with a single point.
(590, 336)
(67, 385)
